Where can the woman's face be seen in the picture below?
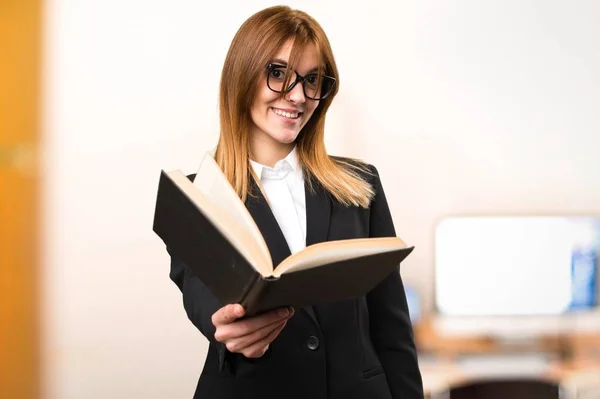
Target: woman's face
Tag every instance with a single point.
(279, 120)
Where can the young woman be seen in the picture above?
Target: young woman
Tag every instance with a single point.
(278, 80)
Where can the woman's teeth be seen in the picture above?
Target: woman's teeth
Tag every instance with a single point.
(286, 114)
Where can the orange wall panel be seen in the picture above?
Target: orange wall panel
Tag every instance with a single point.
(20, 50)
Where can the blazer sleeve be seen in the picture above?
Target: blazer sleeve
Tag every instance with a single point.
(199, 303)
(391, 329)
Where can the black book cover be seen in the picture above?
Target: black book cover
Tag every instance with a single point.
(193, 238)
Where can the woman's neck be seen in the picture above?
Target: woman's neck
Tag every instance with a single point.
(269, 152)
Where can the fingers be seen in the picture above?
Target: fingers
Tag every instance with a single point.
(227, 331)
(259, 348)
(251, 336)
(241, 343)
(252, 324)
(227, 314)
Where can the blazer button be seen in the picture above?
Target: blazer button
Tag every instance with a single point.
(312, 343)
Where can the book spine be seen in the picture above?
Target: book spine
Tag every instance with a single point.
(252, 298)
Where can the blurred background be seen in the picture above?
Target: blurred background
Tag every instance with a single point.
(482, 118)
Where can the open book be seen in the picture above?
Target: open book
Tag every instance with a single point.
(206, 225)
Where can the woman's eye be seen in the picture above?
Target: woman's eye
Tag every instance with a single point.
(312, 80)
(277, 73)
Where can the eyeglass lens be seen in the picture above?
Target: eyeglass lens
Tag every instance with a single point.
(313, 89)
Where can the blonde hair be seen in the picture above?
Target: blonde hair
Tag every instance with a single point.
(255, 44)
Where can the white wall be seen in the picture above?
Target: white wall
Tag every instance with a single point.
(465, 107)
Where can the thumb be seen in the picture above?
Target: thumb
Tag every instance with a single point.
(228, 314)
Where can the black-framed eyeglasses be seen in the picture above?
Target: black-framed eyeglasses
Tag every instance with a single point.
(315, 86)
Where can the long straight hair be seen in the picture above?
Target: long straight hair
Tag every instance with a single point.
(255, 44)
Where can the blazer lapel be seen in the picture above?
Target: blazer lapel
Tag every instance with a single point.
(265, 220)
(318, 213)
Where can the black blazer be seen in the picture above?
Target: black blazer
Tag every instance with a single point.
(361, 348)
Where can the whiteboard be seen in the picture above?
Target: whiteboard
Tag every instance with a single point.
(507, 266)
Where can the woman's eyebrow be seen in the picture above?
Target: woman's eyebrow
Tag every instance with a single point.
(284, 63)
(279, 61)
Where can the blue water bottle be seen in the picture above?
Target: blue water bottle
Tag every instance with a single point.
(584, 267)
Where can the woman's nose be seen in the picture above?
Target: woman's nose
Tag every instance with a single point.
(296, 95)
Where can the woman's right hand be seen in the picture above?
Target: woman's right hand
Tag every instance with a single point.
(251, 336)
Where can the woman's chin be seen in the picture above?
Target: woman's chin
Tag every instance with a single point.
(287, 138)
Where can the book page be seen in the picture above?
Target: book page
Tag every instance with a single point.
(334, 251)
(236, 234)
(211, 182)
